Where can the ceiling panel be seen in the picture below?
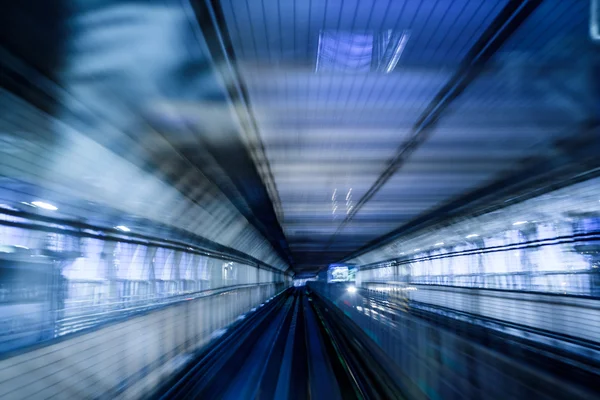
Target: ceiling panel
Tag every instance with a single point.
(529, 102)
(330, 132)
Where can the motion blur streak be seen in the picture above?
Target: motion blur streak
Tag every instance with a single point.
(299, 199)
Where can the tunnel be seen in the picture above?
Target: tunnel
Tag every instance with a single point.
(300, 199)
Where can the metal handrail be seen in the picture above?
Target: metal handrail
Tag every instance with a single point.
(72, 324)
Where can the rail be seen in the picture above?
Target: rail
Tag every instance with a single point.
(441, 362)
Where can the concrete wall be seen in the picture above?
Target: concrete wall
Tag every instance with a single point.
(127, 359)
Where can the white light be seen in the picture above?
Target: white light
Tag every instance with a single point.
(351, 289)
(123, 228)
(397, 52)
(472, 235)
(45, 206)
(6, 249)
(439, 244)
(348, 195)
(416, 249)
(519, 223)
(594, 17)
(334, 195)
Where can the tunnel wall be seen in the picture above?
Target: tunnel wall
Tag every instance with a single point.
(527, 273)
(532, 266)
(544, 244)
(127, 359)
(57, 282)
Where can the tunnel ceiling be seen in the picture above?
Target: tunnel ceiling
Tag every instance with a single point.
(298, 132)
(375, 113)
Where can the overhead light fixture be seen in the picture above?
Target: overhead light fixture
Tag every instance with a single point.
(472, 235)
(439, 244)
(520, 223)
(344, 51)
(349, 51)
(595, 19)
(123, 228)
(398, 50)
(416, 249)
(6, 249)
(44, 205)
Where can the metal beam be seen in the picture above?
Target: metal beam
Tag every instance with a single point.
(574, 162)
(264, 208)
(178, 239)
(506, 23)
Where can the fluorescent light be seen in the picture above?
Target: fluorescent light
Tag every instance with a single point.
(520, 223)
(123, 228)
(397, 52)
(594, 18)
(344, 51)
(351, 289)
(44, 205)
(439, 244)
(472, 235)
(416, 249)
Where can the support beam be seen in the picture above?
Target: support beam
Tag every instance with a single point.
(505, 24)
(257, 186)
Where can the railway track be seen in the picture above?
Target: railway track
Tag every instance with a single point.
(288, 348)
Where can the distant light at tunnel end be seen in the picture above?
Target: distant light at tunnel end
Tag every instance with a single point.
(351, 289)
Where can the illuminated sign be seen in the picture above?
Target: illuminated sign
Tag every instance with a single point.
(337, 274)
